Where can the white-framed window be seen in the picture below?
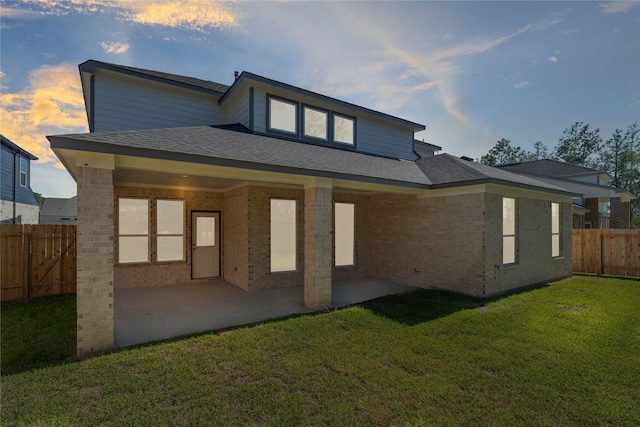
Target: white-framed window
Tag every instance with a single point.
(555, 230)
(315, 123)
(343, 129)
(283, 235)
(344, 234)
(283, 115)
(133, 230)
(23, 172)
(508, 230)
(170, 230)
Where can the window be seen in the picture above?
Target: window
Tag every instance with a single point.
(133, 230)
(23, 172)
(343, 129)
(283, 115)
(283, 235)
(344, 234)
(555, 230)
(508, 231)
(315, 123)
(170, 230)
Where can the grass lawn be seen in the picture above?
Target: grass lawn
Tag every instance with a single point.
(565, 354)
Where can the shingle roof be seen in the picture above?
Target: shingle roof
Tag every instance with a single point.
(446, 170)
(550, 168)
(183, 80)
(219, 146)
(15, 147)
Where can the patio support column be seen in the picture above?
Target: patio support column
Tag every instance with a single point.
(318, 245)
(95, 249)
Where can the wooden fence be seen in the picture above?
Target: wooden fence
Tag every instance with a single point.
(614, 252)
(37, 260)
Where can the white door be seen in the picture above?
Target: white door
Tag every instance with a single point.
(205, 244)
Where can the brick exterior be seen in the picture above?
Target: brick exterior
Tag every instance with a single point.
(236, 237)
(95, 246)
(620, 213)
(164, 273)
(318, 244)
(593, 216)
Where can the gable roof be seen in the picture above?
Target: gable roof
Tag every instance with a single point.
(172, 79)
(445, 170)
(16, 148)
(222, 146)
(550, 168)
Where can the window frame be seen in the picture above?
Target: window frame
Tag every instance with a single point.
(22, 172)
(333, 128)
(513, 236)
(296, 118)
(327, 113)
(335, 235)
(557, 233)
(147, 235)
(158, 235)
(295, 236)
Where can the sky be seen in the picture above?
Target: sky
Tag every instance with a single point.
(471, 72)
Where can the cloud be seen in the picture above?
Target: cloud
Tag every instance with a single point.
(521, 84)
(552, 59)
(52, 103)
(114, 47)
(612, 7)
(196, 15)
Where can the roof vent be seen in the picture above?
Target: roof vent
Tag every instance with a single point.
(468, 159)
(235, 75)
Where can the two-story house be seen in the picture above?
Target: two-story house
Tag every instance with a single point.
(263, 184)
(599, 205)
(18, 204)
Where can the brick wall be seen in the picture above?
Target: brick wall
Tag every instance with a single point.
(593, 216)
(620, 213)
(318, 246)
(432, 243)
(164, 273)
(235, 240)
(95, 257)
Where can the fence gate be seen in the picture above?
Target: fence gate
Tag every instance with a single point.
(37, 260)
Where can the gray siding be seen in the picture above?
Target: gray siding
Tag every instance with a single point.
(127, 103)
(10, 175)
(238, 110)
(373, 135)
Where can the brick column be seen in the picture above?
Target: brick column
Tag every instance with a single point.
(94, 234)
(318, 227)
(593, 215)
(620, 213)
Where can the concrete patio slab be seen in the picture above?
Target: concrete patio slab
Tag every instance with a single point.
(156, 313)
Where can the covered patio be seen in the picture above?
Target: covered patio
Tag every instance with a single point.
(162, 312)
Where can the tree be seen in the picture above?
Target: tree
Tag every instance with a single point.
(503, 153)
(540, 151)
(578, 145)
(39, 198)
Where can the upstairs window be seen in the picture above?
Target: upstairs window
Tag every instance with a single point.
(133, 230)
(315, 123)
(508, 231)
(555, 230)
(343, 129)
(170, 230)
(23, 172)
(283, 115)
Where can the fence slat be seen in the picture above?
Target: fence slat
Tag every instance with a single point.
(608, 251)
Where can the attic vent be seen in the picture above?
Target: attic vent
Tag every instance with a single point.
(468, 159)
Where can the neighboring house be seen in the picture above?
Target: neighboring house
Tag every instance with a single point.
(18, 204)
(599, 204)
(59, 211)
(265, 185)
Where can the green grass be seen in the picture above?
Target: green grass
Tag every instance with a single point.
(565, 354)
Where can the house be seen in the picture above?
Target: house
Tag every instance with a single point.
(18, 204)
(59, 211)
(599, 205)
(263, 184)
